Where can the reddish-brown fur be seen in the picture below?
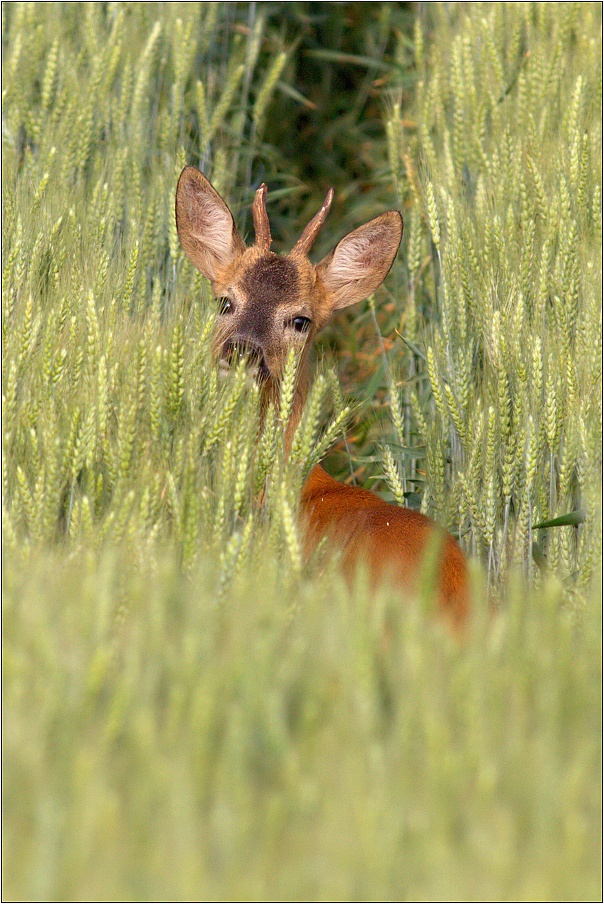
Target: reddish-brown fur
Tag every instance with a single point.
(390, 538)
(263, 296)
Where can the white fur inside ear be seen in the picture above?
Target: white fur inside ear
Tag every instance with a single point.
(212, 227)
(361, 260)
(354, 258)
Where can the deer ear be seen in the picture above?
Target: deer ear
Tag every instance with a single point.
(205, 225)
(361, 260)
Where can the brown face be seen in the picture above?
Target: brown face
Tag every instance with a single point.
(266, 305)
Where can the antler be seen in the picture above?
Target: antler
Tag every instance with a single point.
(307, 239)
(259, 215)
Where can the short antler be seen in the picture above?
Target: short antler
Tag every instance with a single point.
(307, 239)
(261, 225)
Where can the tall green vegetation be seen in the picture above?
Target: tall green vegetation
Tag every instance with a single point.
(500, 172)
(190, 709)
(116, 427)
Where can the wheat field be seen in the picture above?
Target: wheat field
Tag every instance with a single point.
(192, 711)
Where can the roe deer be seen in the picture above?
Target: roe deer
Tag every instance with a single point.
(269, 303)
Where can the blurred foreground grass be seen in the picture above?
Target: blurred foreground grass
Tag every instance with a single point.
(158, 746)
(189, 711)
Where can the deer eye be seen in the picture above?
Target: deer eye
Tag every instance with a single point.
(301, 324)
(225, 305)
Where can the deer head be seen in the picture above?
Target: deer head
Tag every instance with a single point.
(269, 303)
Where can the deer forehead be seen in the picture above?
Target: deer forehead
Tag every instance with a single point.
(271, 282)
(266, 280)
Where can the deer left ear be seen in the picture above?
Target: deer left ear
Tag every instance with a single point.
(361, 260)
(205, 225)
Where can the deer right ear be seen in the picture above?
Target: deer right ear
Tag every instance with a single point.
(361, 260)
(205, 225)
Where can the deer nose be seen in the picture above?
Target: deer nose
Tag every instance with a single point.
(238, 349)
